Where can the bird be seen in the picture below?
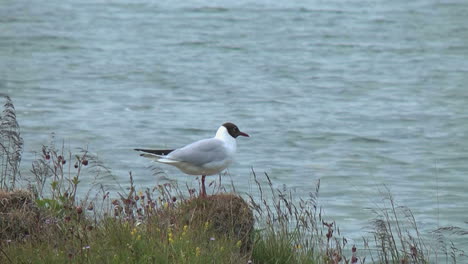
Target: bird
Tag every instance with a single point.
(203, 157)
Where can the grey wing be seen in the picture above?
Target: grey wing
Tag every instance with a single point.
(200, 152)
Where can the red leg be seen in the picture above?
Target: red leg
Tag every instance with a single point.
(203, 192)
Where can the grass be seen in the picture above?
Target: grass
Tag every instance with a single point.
(11, 145)
(114, 241)
(49, 223)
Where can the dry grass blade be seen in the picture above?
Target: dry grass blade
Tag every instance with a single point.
(396, 235)
(11, 145)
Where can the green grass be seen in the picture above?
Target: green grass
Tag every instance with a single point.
(275, 248)
(118, 242)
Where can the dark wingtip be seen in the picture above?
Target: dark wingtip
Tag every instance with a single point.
(156, 151)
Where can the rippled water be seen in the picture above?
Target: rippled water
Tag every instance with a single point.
(358, 94)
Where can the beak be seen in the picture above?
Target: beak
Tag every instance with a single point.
(243, 134)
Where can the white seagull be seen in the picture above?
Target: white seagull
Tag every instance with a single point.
(204, 157)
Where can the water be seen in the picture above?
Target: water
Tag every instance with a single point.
(359, 94)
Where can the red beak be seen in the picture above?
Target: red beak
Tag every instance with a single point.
(243, 134)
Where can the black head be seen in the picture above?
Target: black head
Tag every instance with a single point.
(233, 130)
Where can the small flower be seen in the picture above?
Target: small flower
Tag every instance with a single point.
(197, 251)
(139, 237)
(170, 236)
(207, 224)
(212, 239)
(86, 247)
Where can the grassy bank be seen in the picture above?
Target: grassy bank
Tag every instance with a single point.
(167, 224)
(46, 222)
(164, 224)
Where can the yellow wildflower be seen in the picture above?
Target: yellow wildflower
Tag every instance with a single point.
(133, 232)
(239, 244)
(139, 237)
(197, 251)
(207, 224)
(184, 232)
(170, 237)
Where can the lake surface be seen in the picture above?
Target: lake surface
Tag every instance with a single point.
(358, 94)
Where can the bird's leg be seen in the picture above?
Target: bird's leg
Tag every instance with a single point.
(203, 192)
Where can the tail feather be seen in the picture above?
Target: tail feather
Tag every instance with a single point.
(151, 156)
(158, 155)
(161, 152)
(158, 158)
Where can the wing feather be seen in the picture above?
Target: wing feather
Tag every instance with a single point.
(200, 152)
